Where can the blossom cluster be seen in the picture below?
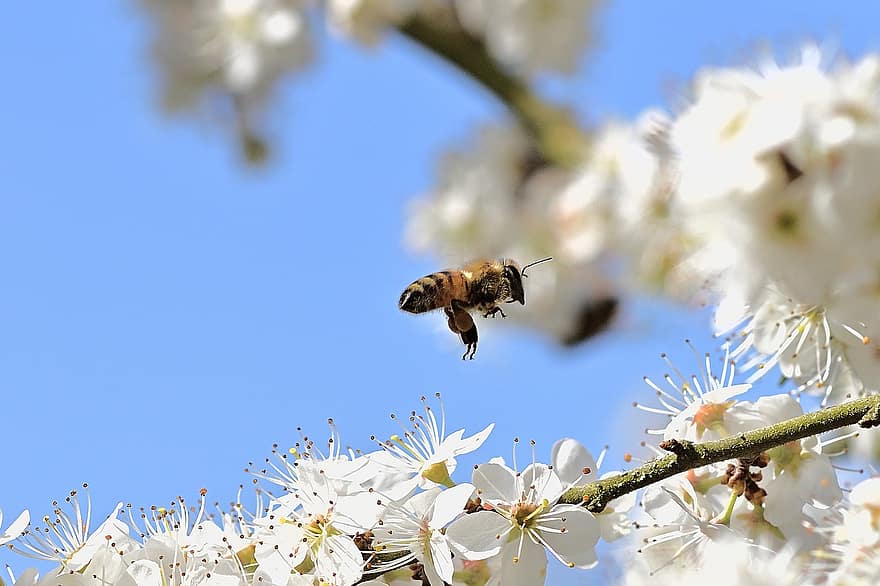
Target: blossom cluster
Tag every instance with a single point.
(779, 517)
(497, 198)
(338, 517)
(232, 54)
(759, 198)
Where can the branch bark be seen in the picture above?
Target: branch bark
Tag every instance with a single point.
(557, 135)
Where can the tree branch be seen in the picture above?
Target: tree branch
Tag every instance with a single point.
(687, 455)
(557, 135)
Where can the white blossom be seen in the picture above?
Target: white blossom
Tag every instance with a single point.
(525, 523)
(416, 528)
(423, 456)
(239, 48)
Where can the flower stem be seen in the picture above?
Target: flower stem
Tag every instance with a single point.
(557, 135)
(724, 518)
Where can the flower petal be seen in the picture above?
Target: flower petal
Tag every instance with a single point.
(441, 559)
(579, 532)
(479, 535)
(541, 482)
(530, 568)
(472, 443)
(570, 458)
(142, 573)
(449, 504)
(338, 561)
(15, 528)
(495, 483)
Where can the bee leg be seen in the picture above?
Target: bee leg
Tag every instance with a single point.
(493, 311)
(469, 338)
(450, 320)
(461, 323)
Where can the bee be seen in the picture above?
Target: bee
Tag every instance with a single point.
(481, 285)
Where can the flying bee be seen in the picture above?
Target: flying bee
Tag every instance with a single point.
(481, 285)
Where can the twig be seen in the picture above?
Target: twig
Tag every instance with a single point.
(557, 135)
(687, 455)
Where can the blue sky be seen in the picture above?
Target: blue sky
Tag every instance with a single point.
(166, 313)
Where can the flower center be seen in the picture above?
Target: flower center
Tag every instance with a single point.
(522, 513)
(711, 416)
(318, 528)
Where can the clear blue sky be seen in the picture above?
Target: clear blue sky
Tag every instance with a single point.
(167, 314)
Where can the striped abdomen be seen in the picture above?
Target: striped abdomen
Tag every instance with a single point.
(434, 291)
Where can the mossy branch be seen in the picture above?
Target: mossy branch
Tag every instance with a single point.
(687, 455)
(556, 134)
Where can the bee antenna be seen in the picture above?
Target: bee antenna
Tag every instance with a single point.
(531, 264)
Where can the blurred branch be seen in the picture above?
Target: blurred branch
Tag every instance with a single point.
(557, 135)
(687, 455)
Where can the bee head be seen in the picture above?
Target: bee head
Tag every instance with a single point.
(514, 276)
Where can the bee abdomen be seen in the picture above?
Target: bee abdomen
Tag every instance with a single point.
(431, 292)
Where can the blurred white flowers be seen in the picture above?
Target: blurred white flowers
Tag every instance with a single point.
(497, 198)
(531, 35)
(238, 48)
(775, 177)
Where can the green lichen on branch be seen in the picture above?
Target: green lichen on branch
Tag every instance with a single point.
(687, 455)
(556, 134)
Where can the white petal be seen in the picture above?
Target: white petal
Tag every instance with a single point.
(542, 482)
(339, 560)
(570, 458)
(16, 527)
(449, 505)
(273, 552)
(495, 483)
(293, 580)
(112, 526)
(441, 559)
(108, 564)
(531, 567)
(472, 443)
(614, 525)
(142, 573)
(422, 502)
(576, 544)
(396, 486)
(866, 492)
(355, 513)
(658, 504)
(479, 535)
